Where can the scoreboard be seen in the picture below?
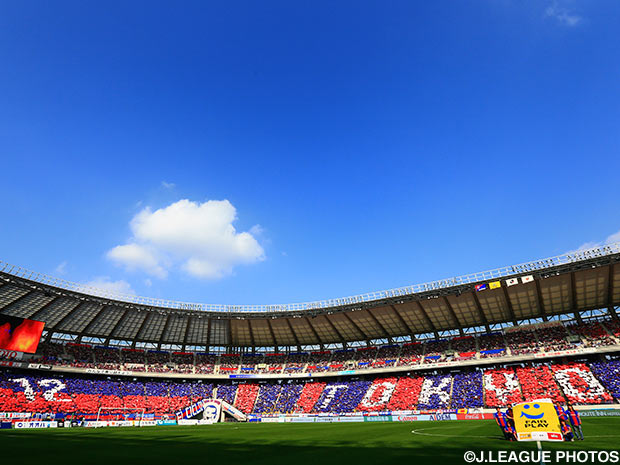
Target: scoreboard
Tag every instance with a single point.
(20, 334)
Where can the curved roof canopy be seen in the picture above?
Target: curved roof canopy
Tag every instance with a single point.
(569, 283)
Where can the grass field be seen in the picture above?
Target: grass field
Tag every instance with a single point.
(279, 443)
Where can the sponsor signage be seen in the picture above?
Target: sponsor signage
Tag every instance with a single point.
(474, 416)
(379, 418)
(10, 354)
(537, 420)
(600, 413)
(166, 422)
(35, 424)
(105, 372)
(13, 415)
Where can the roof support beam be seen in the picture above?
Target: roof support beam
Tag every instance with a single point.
(403, 322)
(573, 293)
(251, 334)
(360, 330)
(208, 339)
(86, 329)
(166, 324)
(610, 293)
(541, 304)
(481, 312)
(142, 325)
(47, 305)
(511, 311)
(273, 335)
(115, 327)
(342, 339)
(290, 327)
(427, 319)
(230, 338)
(318, 339)
(454, 317)
(185, 336)
(68, 316)
(385, 332)
(573, 303)
(10, 304)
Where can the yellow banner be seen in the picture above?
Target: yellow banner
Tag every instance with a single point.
(537, 421)
(495, 284)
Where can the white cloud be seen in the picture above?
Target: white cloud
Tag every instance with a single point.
(103, 284)
(168, 185)
(563, 13)
(199, 238)
(615, 237)
(137, 257)
(61, 268)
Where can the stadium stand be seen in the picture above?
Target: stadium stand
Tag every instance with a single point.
(537, 382)
(420, 350)
(578, 383)
(501, 388)
(467, 390)
(608, 373)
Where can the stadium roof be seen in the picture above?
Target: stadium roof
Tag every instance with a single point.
(569, 283)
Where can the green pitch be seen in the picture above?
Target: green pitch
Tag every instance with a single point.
(280, 443)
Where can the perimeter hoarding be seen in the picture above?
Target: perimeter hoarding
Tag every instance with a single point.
(537, 420)
(20, 334)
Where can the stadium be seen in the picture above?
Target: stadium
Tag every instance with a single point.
(214, 216)
(445, 352)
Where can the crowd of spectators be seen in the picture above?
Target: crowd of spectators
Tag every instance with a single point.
(435, 350)
(491, 345)
(464, 347)
(386, 356)
(537, 382)
(411, 354)
(467, 390)
(579, 384)
(365, 357)
(522, 342)
(267, 398)
(246, 397)
(553, 338)
(435, 392)
(608, 372)
(406, 393)
(378, 395)
(205, 363)
(501, 388)
(295, 363)
(594, 334)
(308, 397)
(529, 340)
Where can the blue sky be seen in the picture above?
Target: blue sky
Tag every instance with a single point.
(275, 152)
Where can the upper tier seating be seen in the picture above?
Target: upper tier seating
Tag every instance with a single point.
(528, 341)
